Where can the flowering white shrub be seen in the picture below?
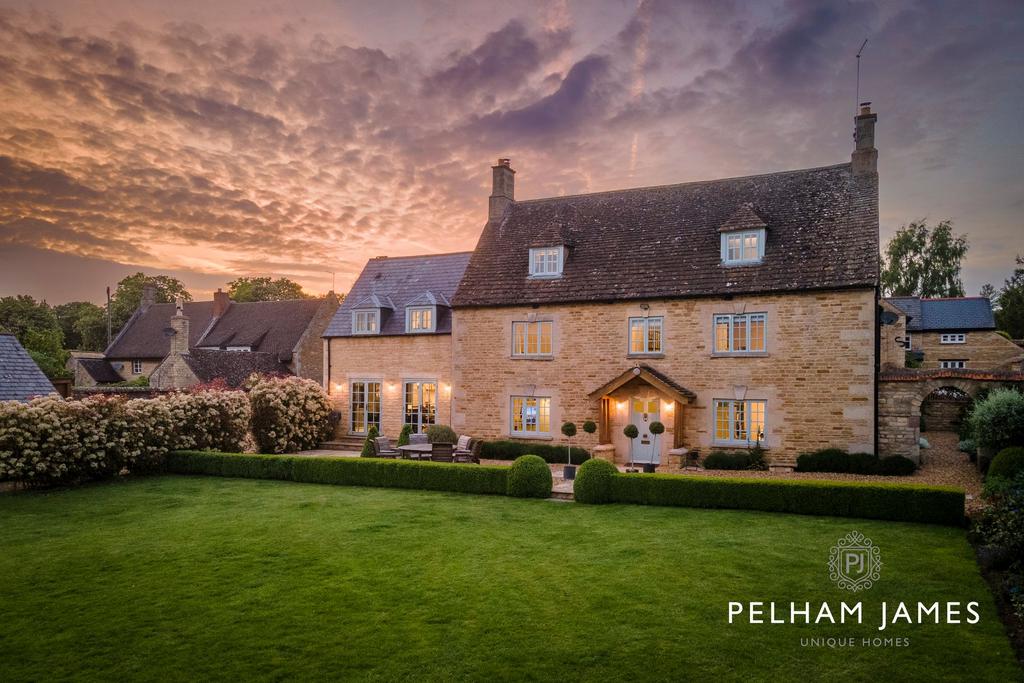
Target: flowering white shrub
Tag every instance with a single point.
(210, 420)
(288, 414)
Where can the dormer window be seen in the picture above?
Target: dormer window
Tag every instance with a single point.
(366, 321)
(546, 261)
(742, 247)
(420, 319)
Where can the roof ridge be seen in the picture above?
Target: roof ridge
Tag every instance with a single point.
(396, 258)
(673, 185)
(953, 298)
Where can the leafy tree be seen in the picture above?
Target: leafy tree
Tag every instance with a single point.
(128, 295)
(265, 289)
(46, 346)
(22, 313)
(1010, 308)
(923, 261)
(84, 325)
(989, 292)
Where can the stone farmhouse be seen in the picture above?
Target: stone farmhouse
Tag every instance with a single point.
(178, 345)
(734, 311)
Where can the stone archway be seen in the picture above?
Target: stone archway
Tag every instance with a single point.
(944, 409)
(902, 393)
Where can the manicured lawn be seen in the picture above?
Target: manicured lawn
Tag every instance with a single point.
(176, 578)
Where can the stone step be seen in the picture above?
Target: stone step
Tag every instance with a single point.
(343, 444)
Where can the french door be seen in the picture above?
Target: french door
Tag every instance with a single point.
(420, 405)
(365, 406)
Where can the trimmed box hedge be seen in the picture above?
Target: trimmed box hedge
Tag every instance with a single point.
(400, 474)
(896, 502)
(510, 450)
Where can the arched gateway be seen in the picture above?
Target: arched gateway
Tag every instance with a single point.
(901, 394)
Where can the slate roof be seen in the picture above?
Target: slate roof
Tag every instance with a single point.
(143, 335)
(931, 315)
(401, 281)
(20, 377)
(234, 367)
(821, 233)
(268, 326)
(271, 326)
(100, 370)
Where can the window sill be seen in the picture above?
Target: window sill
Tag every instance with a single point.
(739, 264)
(737, 444)
(645, 355)
(543, 276)
(740, 354)
(514, 357)
(532, 437)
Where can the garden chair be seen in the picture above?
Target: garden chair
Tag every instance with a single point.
(382, 448)
(468, 450)
(442, 452)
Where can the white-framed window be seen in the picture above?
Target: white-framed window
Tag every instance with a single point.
(531, 415)
(420, 404)
(739, 422)
(532, 338)
(743, 247)
(952, 364)
(740, 333)
(420, 319)
(366, 321)
(546, 261)
(136, 367)
(364, 406)
(957, 338)
(646, 335)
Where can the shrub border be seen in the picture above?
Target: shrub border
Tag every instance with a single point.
(894, 502)
(401, 474)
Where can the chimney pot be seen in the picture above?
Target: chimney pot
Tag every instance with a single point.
(502, 189)
(148, 297)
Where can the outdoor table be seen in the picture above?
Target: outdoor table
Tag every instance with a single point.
(417, 451)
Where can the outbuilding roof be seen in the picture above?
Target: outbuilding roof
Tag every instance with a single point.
(821, 228)
(20, 377)
(957, 313)
(398, 282)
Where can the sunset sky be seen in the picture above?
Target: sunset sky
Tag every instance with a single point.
(209, 140)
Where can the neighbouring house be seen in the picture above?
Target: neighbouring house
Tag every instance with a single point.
(20, 377)
(947, 333)
(388, 349)
(181, 344)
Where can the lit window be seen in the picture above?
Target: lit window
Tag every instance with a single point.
(365, 407)
(420, 405)
(419, 319)
(952, 364)
(645, 335)
(546, 262)
(136, 367)
(743, 247)
(366, 322)
(532, 339)
(531, 415)
(739, 422)
(959, 338)
(740, 333)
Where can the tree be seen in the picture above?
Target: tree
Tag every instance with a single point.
(989, 292)
(35, 325)
(84, 325)
(128, 295)
(920, 261)
(1010, 303)
(265, 289)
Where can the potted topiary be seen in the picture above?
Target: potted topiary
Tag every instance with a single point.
(631, 433)
(569, 471)
(589, 427)
(403, 436)
(655, 429)
(368, 450)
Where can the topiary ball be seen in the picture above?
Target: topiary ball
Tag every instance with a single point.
(589, 427)
(631, 431)
(1008, 463)
(569, 429)
(441, 434)
(529, 477)
(593, 482)
(656, 428)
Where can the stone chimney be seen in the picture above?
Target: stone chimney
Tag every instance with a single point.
(865, 156)
(180, 325)
(148, 297)
(502, 189)
(221, 301)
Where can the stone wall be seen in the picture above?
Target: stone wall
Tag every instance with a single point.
(391, 361)
(891, 352)
(816, 376)
(943, 414)
(148, 366)
(308, 355)
(983, 350)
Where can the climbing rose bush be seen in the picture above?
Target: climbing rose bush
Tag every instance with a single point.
(288, 414)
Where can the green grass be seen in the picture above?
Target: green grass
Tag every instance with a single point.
(193, 578)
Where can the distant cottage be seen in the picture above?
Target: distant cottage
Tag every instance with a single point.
(20, 377)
